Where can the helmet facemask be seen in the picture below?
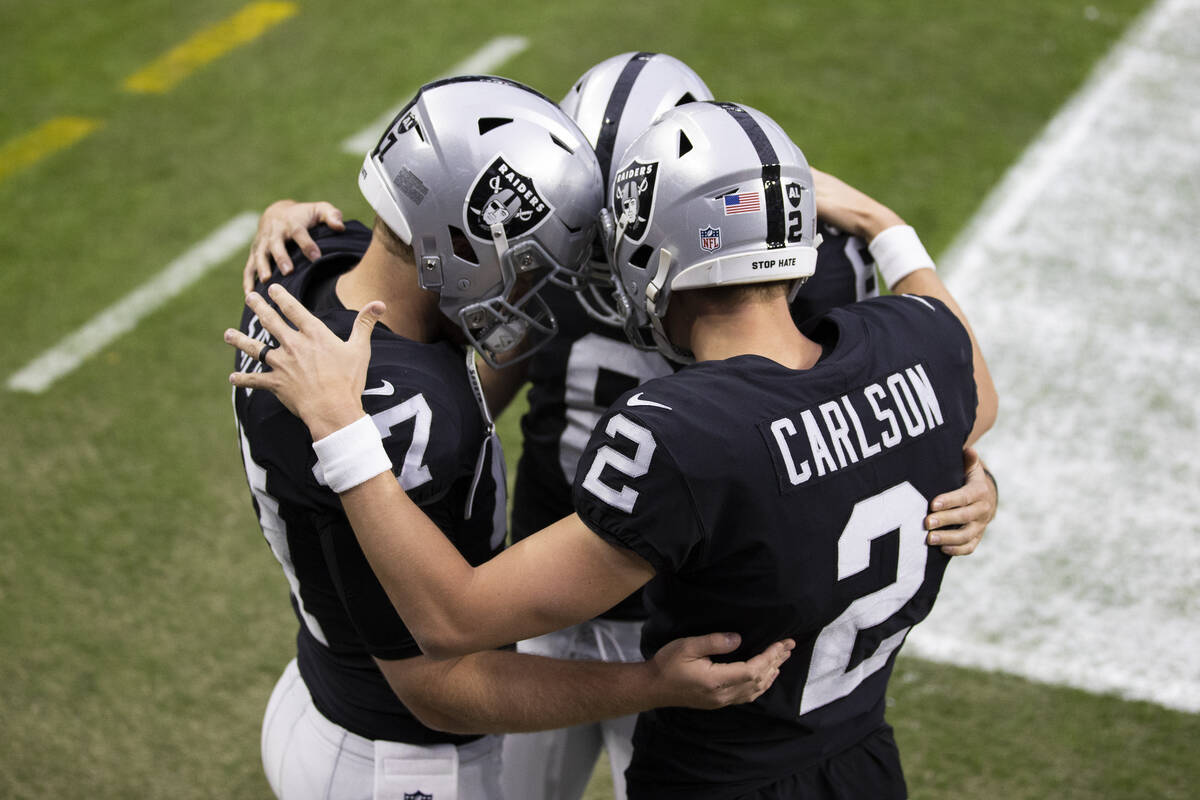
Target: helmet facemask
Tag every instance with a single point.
(497, 192)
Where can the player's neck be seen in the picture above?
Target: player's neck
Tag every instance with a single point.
(753, 328)
(412, 312)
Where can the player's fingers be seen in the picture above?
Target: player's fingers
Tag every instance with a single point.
(364, 323)
(773, 656)
(960, 515)
(973, 490)
(295, 313)
(711, 644)
(762, 669)
(331, 215)
(300, 236)
(958, 541)
(770, 682)
(253, 380)
(264, 267)
(957, 536)
(248, 274)
(954, 535)
(268, 317)
(277, 244)
(963, 549)
(249, 346)
(962, 496)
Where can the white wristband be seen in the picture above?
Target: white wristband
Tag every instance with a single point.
(351, 455)
(898, 252)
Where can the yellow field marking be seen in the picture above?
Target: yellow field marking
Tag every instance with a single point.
(43, 140)
(208, 45)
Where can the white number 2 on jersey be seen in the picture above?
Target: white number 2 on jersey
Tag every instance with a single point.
(589, 355)
(903, 507)
(636, 467)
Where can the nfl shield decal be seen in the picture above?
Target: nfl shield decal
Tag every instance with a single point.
(710, 239)
(501, 194)
(633, 197)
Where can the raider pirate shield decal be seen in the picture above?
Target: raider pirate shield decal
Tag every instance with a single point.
(501, 194)
(634, 190)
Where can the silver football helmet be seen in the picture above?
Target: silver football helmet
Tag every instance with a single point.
(613, 102)
(498, 192)
(712, 194)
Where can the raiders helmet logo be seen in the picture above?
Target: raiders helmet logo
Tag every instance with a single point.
(633, 199)
(502, 195)
(794, 192)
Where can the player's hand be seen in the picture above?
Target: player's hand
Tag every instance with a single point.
(845, 207)
(315, 374)
(286, 221)
(694, 680)
(958, 518)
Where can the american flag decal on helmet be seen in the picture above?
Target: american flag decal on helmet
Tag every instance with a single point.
(743, 203)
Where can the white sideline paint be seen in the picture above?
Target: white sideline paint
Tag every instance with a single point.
(1078, 277)
(484, 60)
(125, 314)
(122, 317)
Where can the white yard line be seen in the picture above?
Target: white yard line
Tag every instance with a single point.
(484, 60)
(125, 314)
(1077, 274)
(122, 317)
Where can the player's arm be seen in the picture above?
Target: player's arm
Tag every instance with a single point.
(873, 222)
(560, 576)
(500, 691)
(286, 221)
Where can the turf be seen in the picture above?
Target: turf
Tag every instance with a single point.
(145, 621)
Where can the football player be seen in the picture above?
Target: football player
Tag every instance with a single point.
(581, 372)
(485, 193)
(778, 483)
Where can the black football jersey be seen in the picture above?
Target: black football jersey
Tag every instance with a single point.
(588, 365)
(422, 402)
(780, 503)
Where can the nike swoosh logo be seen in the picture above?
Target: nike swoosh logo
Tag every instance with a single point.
(636, 400)
(385, 389)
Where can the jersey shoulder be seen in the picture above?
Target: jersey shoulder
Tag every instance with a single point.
(845, 273)
(909, 322)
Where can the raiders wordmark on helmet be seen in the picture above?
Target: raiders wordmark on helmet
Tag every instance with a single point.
(635, 197)
(503, 195)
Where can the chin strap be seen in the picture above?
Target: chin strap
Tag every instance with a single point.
(489, 428)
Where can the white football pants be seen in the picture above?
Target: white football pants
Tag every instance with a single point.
(306, 756)
(557, 764)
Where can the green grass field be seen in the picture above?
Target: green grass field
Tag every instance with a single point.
(144, 621)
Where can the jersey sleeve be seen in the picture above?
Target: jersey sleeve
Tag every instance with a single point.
(630, 491)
